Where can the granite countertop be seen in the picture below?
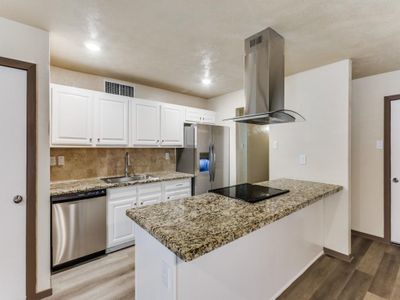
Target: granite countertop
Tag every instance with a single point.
(194, 226)
(90, 184)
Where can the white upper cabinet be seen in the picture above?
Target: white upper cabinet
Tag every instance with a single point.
(71, 116)
(145, 123)
(196, 115)
(172, 118)
(209, 117)
(112, 119)
(193, 115)
(85, 118)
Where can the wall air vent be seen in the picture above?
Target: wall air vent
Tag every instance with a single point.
(256, 41)
(119, 89)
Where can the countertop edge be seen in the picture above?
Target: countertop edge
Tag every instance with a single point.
(105, 185)
(195, 253)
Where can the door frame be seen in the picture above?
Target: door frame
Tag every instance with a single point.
(387, 166)
(31, 150)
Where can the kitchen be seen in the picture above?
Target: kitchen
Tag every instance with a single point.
(154, 168)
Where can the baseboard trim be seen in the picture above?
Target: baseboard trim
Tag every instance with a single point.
(338, 255)
(369, 236)
(44, 294)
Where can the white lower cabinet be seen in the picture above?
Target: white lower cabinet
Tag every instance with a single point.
(150, 193)
(119, 226)
(120, 229)
(177, 189)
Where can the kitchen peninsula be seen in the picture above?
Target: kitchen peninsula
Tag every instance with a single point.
(214, 247)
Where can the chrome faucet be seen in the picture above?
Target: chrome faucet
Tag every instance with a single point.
(127, 164)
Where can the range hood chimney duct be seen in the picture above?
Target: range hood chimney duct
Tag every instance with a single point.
(264, 79)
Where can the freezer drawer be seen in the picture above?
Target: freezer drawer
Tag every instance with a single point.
(78, 229)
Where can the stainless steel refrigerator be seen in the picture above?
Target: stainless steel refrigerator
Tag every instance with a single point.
(206, 156)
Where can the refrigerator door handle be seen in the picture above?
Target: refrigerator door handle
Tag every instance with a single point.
(213, 164)
(210, 162)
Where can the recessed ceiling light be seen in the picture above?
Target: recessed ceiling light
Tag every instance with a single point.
(206, 81)
(92, 46)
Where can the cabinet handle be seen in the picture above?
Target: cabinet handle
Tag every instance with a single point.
(141, 203)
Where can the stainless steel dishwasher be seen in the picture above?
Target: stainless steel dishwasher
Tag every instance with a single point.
(78, 227)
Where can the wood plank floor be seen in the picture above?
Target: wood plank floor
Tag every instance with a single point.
(108, 278)
(372, 275)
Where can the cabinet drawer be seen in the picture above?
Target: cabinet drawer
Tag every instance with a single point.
(121, 193)
(149, 199)
(177, 184)
(149, 188)
(175, 195)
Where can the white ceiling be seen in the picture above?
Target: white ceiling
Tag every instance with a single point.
(172, 43)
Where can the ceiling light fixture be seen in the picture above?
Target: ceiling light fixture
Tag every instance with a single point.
(92, 46)
(206, 81)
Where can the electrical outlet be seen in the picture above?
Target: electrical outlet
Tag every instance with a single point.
(167, 156)
(52, 161)
(275, 145)
(166, 274)
(60, 160)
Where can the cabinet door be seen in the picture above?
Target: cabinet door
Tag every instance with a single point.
(145, 123)
(119, 226)
(111, 119)
(171, 125)
(193, 115)
(150, 193)
(71, 116)
(208, 117)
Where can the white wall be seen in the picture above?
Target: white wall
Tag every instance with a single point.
(29, 44)
(322, 95)
(367, 161)
(94, 82)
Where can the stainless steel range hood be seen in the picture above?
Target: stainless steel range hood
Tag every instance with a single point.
(264, 80)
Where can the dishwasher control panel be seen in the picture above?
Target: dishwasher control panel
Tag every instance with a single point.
(78, 196)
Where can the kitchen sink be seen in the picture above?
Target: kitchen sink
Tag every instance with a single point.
(122, 179)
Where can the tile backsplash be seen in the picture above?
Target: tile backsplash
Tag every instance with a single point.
(98, 162)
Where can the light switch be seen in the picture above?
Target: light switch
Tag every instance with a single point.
(379, 144)
(60, 160)
(302, 159)
(52, 161)
(167, 156)
(275, 145)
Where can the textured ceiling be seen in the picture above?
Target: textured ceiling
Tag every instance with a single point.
(172, 44)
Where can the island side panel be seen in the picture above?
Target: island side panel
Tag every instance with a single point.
(155, 268)
(259, 265)
(337, 229)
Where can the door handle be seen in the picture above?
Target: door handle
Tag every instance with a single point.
(18, 199)
(395, 180)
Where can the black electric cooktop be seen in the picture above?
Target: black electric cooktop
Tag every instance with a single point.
(251, 193)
